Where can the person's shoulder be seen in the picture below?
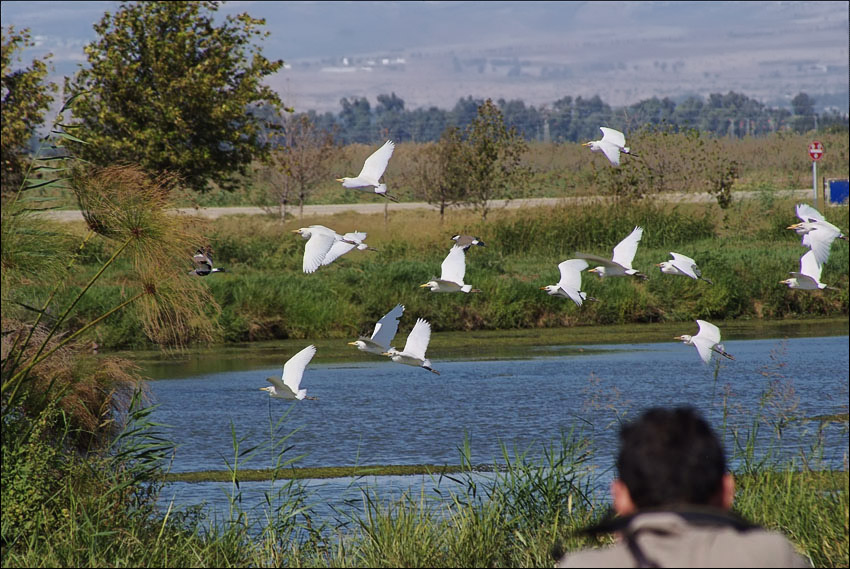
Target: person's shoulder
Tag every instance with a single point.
(691, 546)
(757, 548)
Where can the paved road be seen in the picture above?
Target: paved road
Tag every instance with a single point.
(378, 206)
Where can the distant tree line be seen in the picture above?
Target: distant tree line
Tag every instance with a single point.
(572, 119)
(173, 88)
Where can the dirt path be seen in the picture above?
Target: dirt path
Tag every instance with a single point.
(378, 207)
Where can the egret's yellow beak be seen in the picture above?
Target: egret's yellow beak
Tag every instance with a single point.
(795, 226)
(658, 265)
(352, 343)
(678, 338)
(296, 230)
(340, 179)
(543, 288)
(423, 285)
(586, 144)
(385, 353)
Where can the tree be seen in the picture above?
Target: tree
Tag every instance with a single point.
(301, 159)
(389, 118)
(356, 120)
(25, 99)
(435, 176)
(804, 112)
(493, 157)
(173, 91)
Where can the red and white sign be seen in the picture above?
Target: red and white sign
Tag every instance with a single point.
(816, 150)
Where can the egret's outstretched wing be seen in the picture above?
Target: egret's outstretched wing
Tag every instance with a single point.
(625, 251)
(342, 246)
(338, 249)
(703, 347)
(820, 239)
(375, 165)
(417, 341)
(387, 326)
(709, 332)
(596, 259)
(685, 264)
(356, 236)
(807, 213)
(316, 250)
(571, 274)
(810, 267)
(575, 295)
(454, 266)
(612, 152)
(293, 369)
(615, 137)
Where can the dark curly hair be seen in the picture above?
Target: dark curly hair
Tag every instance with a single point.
(670, 457)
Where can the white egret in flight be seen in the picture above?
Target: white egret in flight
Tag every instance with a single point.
(818, 234)
(453, 270)
(320, 240)
(467, 241)
(204, 263)
(809, 276)
(682, 265)
(288, 386)
(383, 335)
(706, 341)
(373, 169)
(570, 284)
(620, 264)
(612, 143)
(342, 246)
(414, 349)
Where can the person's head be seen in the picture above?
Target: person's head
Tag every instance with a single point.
(670, 457)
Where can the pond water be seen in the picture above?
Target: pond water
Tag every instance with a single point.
(373, 411)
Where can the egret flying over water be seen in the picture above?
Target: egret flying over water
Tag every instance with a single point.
(817, 233)
(204, 263)
(453, 270)
(706, 341)
(320, 240)
(414, 349)
(570, 284)
(467, 241)
(620, 264)
(383, 335)
(289, 385)
(682, 265)
(373, 169)
(612, 143)
(809, 276)
(348, 242)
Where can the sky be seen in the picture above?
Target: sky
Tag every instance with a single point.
(624, 51)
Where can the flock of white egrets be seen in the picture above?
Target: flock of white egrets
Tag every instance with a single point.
(324, 245)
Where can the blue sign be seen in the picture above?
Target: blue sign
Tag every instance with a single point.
(839, 191)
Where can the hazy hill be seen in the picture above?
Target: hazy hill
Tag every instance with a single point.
(433, 53)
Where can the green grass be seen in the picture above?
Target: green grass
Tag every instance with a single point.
(523, 513)
(264, 295)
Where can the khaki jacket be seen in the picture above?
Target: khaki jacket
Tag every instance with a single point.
(665, 539)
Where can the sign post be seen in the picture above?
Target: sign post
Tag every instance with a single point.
(816, 153)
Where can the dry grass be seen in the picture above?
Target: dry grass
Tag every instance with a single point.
(93, 393)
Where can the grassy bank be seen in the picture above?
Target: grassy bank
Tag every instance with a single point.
(745, 250)
(523, 514)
